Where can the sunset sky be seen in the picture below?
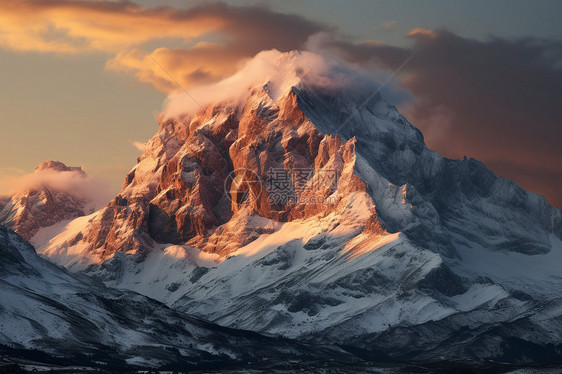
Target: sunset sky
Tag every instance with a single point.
(79, 85)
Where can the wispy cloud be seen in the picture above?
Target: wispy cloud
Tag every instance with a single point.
(83, 26)
(387, 26)
(124, 29)
(284, 70)
(138, 145)
(72, 181)
(245, 32)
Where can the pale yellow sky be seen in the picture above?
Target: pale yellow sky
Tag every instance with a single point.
(69, 109)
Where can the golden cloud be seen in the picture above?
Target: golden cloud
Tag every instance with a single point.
(231, 35)
(166, 69)
(73, 26)
(423, 32)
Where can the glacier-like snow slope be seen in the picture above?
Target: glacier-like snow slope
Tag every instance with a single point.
(466, 265)
(76, 319)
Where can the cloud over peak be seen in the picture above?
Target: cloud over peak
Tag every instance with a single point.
(283, 70)
(245, 32)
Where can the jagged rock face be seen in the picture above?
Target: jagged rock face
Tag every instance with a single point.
(190, 198)
(280, 137)
(446, 197)
(204, 176)
(41, 205)
(180, 191)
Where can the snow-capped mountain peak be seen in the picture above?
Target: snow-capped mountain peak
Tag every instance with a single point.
(300, 202)
(58, 166)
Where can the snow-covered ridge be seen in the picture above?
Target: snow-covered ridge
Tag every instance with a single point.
(73, 317)
(410, 239)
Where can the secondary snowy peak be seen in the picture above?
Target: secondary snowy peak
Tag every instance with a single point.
(44, 198)
(58, 166)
